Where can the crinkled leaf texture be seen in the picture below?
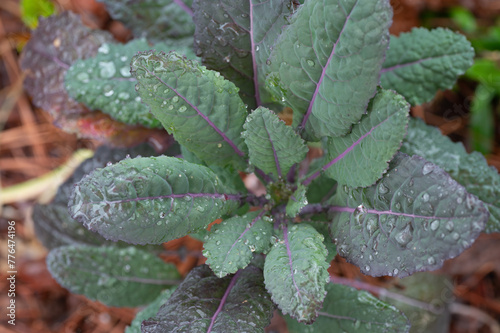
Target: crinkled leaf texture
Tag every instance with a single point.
(295, 272)
(297, 201)
(149, 311)
(435, 292)
(57, 42)
(111, 275)
(104, 83)
(273, 146)
(231, 244)
(349, 310)
(156, 20)
(360, 158)
(54, 226)
(470, 170)
(198, 106)
(237, 303)
(422, 61)
(235, 39)
(150, 200)
(326, 64)
(411, 220)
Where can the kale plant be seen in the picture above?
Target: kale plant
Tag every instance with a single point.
(390, 194)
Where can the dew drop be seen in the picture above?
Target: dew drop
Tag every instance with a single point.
(383, 189)
(434, 225)
(404, 236)
(395, 272)
(367, 268)
(310, 62)
(125, 71)
(371, 226)
(162, 215)
(459, 200)
(217, 242)
(450, 225)
(126, 268)
(219, 145)
(425, 197)
(428, 168)
(257, 48)
(104, 48)
(123, 95)
(455, 236)
(431, 261)
(84, 77)
(359, 213)
(175, 99)
(107, 69)
(182, 109)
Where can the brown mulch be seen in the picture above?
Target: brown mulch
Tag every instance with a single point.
(30, 146)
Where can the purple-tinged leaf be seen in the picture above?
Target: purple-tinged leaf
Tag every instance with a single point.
(150, 200)
(58, 41)
(54, 46)
(231, 244)
(326, 64)
(149, 311)
(235, 39)
(360, 158)
(237, 303)
(411, 220)
(295, 272)
(198, 106)
(111, 275)
(470, 170)
(273, 146)
(349, 310)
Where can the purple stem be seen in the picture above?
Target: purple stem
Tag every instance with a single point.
(254, 60)
(289, 253)
(223, 300)
(263, 175)
(314, 209)
(341, 156)
(185, 7)
(210, 123)
(323, 73)
(290, 177)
